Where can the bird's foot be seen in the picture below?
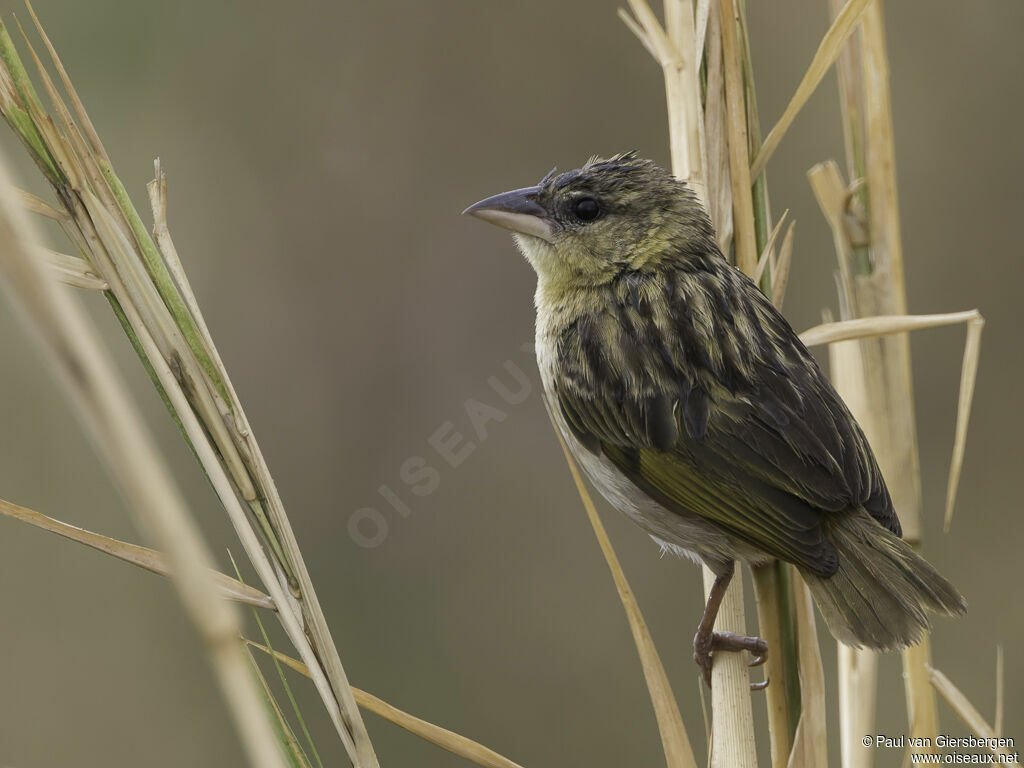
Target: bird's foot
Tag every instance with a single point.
(706, 643)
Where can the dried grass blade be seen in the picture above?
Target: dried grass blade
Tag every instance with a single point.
(34, 204)
(74, 271)
(767, 251)
(810, 746)
(303, 622)
(278, 529)
(76, 145)
(674, 739)
(18, 97)
(968, 377)
(830, 192)
(83, 116)
(107, 411)
(224, 487)
(442, 737)
(966, 711)
(176, 348)
(292, 750)
(830, 333)
(882, 325)
(828, 51)
(148, 559)
(280, 674)
(1000, 689)
(780, 276)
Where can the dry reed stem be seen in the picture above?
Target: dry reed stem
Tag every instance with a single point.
(692, 132)
(732, 731)
(883, 292)
(858, 680)
(109, 415)
(156, 562)
(870, 256)
(686, 126)
(732, 735)
(1000, 690)
(739, 158)
(810, 745)
(716, 143)
(766, 595)
(344, 710)
(922, 712)
(674, 739)
(966, 711)
(674, 48)
(160, 322)
(858, 667)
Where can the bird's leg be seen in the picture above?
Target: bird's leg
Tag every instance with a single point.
(707, 641)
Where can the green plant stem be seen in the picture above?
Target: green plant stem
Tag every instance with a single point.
(762, 231)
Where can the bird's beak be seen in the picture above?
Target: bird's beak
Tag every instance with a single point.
(517, 210)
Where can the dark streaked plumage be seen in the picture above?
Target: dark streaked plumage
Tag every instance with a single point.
(693, 406)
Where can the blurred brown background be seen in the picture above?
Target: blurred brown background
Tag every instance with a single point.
(318, 156)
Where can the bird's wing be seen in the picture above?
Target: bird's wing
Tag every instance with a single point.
(750, 436)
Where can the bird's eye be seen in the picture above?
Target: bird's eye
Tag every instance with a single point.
(586, 209)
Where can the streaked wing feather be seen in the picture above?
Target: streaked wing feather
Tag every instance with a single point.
(749, 436)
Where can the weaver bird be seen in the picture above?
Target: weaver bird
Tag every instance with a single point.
(693, 407)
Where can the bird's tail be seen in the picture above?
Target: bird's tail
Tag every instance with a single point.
(881, 594)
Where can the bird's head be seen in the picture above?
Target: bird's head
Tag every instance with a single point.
(583, 227)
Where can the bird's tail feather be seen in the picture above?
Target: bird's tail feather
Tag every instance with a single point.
(883, 591)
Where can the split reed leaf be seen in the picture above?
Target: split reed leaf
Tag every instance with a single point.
(828, 51)
(766, 252)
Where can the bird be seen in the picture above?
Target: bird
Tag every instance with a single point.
(694, 408)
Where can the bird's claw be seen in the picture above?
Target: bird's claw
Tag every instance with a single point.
(705, 644)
